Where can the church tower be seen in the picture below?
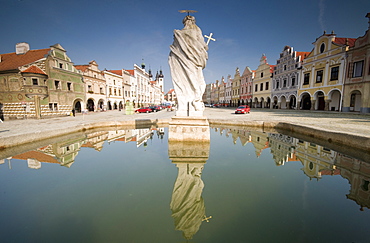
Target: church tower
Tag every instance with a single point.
(160, 79)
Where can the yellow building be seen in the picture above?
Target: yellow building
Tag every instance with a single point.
(261, 84)
(323, 74)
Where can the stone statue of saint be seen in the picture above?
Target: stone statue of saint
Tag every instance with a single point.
(187, 60)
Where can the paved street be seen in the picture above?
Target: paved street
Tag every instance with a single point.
(350, 123)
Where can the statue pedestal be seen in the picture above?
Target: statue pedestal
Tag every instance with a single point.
(190, 129)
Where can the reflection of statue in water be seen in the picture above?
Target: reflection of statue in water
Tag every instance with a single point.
(187, 204)
(187, 59)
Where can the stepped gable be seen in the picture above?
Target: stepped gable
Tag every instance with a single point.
(34, 69)
(12, 61)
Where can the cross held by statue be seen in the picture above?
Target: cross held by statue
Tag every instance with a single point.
(209, 38)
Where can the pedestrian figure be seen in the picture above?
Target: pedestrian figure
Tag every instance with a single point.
(73, 112)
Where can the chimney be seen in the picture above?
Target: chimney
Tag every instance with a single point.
(22, 48)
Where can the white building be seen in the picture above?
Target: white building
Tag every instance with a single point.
(114, 89)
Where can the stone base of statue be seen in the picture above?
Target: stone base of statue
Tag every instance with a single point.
(190, 129)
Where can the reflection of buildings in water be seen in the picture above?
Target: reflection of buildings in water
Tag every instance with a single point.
(260, 141)
(358, 175)
(35, 158)
(65, 152)
(315, 159)
(160, 133)
(116, 135)
(243, 134)
(282, 148)
(96, 140)
(187, 204)
(142, 137)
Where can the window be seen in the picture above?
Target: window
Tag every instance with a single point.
(53, 106)
(322, 48)
(284, 82)
(267, 85)
(357, 69)
(293, 81)
(261, 86)
(284, 67)
(277, 84)
(60, 65)
(110, 91)
(256, 88)
(334, 73)
(306, 79)
(262, 75)
(101, 90)
(319, 76)
(57, 84)
(35, 81)
(69, 86)
(89, 88)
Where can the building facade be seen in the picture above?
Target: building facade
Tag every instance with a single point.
(261, 84)
(95, 86)
(114, 80)
(286, 76)
(235, 91)
(246, 83)
(37, 83)
(357, 82)
(323, 73)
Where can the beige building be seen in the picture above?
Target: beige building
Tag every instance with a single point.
(261, 84)
(235, 90)
(95, 86)
(357, 81)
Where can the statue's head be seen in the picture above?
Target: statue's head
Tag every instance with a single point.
(189, 21)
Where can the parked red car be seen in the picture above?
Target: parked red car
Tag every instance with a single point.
(243, 109)
(144, 110)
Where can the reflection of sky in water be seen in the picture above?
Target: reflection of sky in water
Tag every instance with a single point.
(123, 194)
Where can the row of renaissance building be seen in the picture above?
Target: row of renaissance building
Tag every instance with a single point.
(45, 82)
(334, 76)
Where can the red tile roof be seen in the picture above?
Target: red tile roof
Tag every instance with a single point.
(345, 41)
(132, 72)
(303, 54)
(12, 61)
(118, 72)
(37, 155)
(34, 69)
(81, 67)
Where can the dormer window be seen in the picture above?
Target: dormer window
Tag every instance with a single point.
(322, 48)
(35, 81)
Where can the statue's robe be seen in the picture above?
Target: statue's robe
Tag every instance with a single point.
(187, 59)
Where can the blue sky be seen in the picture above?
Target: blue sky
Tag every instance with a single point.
(118, 33)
